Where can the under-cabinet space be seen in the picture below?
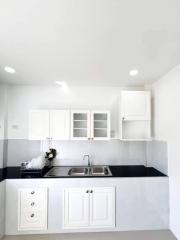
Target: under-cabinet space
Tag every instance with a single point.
(136, 130)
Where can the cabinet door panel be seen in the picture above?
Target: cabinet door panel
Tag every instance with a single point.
(76, 208)
(39, 124)
(80, 125)
(100, 125)
(60, 124)
(135, 105)
(102, 207)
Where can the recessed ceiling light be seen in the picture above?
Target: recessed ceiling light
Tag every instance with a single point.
(62, 84)
(133, 72)
(9, 69)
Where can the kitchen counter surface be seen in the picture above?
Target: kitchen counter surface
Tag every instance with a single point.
(117, 171)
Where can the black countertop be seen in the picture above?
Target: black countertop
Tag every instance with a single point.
(117, 171)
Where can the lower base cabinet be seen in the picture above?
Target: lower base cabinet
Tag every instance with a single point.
(32, 209)
(89, 207)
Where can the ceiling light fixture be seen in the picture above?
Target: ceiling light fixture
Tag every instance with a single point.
(62, 84)
(133, 72)
(9, 70)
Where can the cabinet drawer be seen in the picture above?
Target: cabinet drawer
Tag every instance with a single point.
(32, 209)
(32, 203)
(33, 193)
(32, 220)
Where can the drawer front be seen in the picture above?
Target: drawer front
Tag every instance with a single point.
(33, 220)
(33, 193)
(32, 203)
(32, 209)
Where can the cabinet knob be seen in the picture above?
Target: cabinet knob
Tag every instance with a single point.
(33, 192)
(33, 203)
(87, 191)
(32, 215)
(91, 191)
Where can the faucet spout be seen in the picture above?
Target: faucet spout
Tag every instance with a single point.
(88, 159)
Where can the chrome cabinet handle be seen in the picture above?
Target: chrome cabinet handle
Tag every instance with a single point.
(32, 215)
(33, 203)
(33, 192)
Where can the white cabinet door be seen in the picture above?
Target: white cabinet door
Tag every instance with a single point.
(100, 125)
(76, 208)
(90, 208)
(32, 209)
(135, 105)
(80, 125)
(60, 124)
(102, 207)
(39, 124)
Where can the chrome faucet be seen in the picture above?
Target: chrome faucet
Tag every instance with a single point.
(88, 159)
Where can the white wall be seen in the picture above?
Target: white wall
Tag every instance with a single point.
(23, 98)
(3, 121)
(167, 128)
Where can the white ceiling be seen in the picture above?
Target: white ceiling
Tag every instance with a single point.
(88, 42)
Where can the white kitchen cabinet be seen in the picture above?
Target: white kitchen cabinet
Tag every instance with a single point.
(76, 208)
(32, 209)
(44, 124)
(90, 125)
(142, 203)
(60, 124)
(100, 125)
(136, 105)
(102, 207)
(80, 125)
(89, 207)
(39, 125)
(135, 116)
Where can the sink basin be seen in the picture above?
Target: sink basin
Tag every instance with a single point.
(100, 170)
(78, 171)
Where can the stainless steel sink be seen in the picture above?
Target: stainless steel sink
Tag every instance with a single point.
(78, 171)
(100, 170)
(90, 171)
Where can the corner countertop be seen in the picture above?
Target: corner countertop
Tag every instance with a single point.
(117, 171)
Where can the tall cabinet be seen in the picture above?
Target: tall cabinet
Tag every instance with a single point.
(135, 116)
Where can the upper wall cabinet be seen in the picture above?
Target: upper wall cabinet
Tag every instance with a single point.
(39, 124)
(100, 125)
(135, 116)
(60, 122)
(88, 125)
(45, 124)
(80, 125)
(136, 105)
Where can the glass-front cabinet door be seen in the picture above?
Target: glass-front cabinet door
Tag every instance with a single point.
(80, 125)
(100, 125)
